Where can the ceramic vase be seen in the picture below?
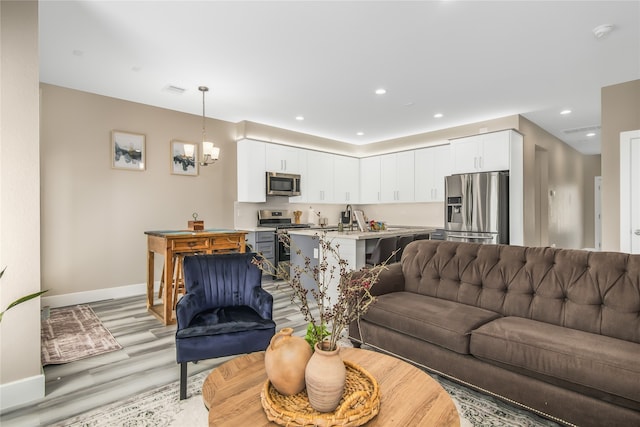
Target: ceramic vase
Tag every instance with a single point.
(325, 377)
(285, 361)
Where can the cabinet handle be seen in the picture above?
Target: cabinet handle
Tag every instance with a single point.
(637, 232)
(480, 162)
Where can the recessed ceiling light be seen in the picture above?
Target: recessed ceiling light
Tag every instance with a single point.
(438, 115)
(602, 30)
(300, 118)
(381, 91)
(565, 112)
(360, 133)
(591, 134)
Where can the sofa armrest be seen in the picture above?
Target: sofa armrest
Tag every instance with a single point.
(390, 280)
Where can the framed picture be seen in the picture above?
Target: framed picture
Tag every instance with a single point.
(127, 151)
(183, 158)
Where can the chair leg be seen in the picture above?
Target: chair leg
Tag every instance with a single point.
(161, 283)
(183, 380)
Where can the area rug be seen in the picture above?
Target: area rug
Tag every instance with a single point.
(162, 407)
(74, 333)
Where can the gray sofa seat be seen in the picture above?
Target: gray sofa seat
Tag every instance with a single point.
(440, 322)
(592, 363)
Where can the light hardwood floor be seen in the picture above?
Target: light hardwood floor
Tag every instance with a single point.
(146, 361)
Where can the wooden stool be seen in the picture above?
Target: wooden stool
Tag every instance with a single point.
(178, 279)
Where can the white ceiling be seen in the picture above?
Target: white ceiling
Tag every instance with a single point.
(269, 62)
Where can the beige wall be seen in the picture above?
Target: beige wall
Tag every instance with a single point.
(93, 216)
(620, 113)
(19, 198)
(565, 192)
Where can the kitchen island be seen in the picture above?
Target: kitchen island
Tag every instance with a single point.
(352, 246)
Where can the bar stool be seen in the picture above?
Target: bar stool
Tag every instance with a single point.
(403, 241)
(177, 286)
(383, 251)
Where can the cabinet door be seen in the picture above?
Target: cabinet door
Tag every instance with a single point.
(388, 178)
(320, 177)
(464, 154)
(397, 177)
(495, 151)
(370, 179)
(280, 158)
(405, 176)
(251, 171)
(431, 166)
(441, 169)
(346, 179)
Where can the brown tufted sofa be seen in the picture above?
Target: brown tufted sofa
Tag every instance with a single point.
(554, 330)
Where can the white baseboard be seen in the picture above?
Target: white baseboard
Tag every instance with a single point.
(92, 296)
(21, 392)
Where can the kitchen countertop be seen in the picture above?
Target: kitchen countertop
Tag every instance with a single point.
(363, 235)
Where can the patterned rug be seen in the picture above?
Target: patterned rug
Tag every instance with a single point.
(74, 333)
(162, 407)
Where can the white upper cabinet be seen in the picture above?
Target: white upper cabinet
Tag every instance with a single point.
(397, 179)
(251, 171)
(280, 158)
(319, 177)
(431, 166)
(370, 180)
(481, 153)
(346, 179)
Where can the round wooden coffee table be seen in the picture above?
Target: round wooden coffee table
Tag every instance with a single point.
(409, 397)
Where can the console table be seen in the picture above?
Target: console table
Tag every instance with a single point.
(170, 242)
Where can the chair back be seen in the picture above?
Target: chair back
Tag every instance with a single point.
(383, 250)
(402, 242)
(224, 280)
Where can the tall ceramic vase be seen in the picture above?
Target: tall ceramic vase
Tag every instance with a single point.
(285, 361)
(325, 377)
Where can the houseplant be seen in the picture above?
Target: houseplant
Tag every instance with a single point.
(19, 300)
(332, 315)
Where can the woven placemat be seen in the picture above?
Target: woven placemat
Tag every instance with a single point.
(360, 402)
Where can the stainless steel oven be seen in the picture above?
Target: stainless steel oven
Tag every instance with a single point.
(282, 221)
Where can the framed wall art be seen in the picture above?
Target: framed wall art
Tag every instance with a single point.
(183, 158)
(127, 151)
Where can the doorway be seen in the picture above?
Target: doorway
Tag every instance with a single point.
(630, 192)
(541, 202)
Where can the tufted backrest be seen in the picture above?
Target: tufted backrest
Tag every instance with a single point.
(597, 292)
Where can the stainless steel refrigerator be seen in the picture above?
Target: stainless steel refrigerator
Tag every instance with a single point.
(477, 207)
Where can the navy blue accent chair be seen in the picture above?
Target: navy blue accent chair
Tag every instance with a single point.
(224, 312)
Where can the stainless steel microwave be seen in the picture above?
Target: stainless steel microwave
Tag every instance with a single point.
(283, 184)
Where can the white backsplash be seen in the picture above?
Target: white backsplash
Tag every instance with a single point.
(418, 214)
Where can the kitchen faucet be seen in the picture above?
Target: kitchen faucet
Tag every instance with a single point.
(349, 212)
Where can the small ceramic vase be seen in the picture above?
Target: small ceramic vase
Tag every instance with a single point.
(285, 361)
(325, 377)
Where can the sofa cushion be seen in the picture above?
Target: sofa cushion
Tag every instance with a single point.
(441, 322)
(542, 350)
